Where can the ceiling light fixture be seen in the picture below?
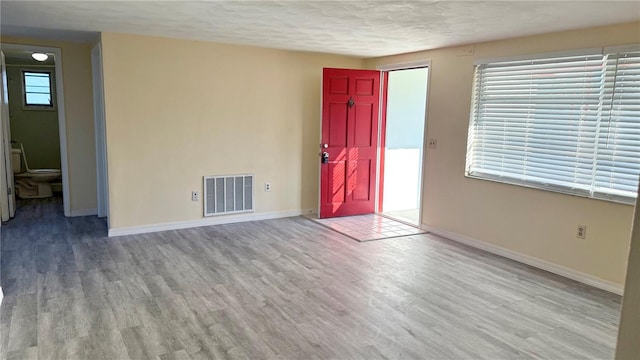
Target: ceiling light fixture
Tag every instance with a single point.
(40, 56)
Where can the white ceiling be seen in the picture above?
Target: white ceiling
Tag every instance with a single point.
(14, 56)
(359, 28)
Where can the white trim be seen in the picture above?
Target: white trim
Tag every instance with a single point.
(379, 174)
(1, 295)
(100, 132)
(7, 200)
(529, 260)
(218, 220)
(566, 190)
(30, 66)
(62, 124)
(84, 212)
(405, 65)
(319, 158)
(425, 138)
(425, 147)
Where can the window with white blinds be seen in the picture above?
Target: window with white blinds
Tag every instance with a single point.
(569, 124)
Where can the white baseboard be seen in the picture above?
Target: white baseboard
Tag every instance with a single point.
(214, 220)
(84, 212)
(529, 260)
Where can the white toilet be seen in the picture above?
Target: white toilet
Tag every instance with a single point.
(31, 183)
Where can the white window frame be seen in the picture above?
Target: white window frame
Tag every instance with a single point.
(591, 193)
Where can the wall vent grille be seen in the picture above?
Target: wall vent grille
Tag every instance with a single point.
(228, 194)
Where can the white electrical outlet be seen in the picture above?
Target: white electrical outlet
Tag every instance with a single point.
(267, 186)
(433, 143)
(582, 232)
(195, 196)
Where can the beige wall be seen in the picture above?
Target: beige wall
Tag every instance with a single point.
(35, 129)
(177, 110)
(628, 345)
(78, 103)
(536, 223)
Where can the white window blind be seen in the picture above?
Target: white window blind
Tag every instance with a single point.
(618, 150)
(569, 124)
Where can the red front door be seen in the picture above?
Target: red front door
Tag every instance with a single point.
(350, 107)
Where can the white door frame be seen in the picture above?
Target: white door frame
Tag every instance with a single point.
(60, 104)
(7, 192)
(405, 66)
(102, 174)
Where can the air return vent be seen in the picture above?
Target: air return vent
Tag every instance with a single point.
(228, 194)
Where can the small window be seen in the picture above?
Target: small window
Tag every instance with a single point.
(37, 89)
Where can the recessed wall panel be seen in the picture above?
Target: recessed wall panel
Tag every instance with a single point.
(339, 85)
(337, 173)
(337, 125)
(364, 87)
(364, 125)
(361, 172)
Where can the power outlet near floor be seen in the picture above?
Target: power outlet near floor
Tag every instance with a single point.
(267, 186)
(433, 143)
(582, 232)
(195, 196)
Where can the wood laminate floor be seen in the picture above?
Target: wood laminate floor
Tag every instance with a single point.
(286, 288)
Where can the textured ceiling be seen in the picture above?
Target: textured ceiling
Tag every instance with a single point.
(359, 28)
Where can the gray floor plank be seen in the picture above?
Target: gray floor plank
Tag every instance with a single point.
(284, 288)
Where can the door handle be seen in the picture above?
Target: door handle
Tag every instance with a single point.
(350, 103)
(325, 157)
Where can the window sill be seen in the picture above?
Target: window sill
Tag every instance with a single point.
(558, 190)
(38, 108)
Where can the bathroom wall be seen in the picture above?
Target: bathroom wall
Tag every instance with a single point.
(36, 129)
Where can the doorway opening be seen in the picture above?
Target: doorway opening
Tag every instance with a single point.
(34, 159)
(372, 150)
(402, 147)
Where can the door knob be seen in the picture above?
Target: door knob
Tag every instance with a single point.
(325, 145)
